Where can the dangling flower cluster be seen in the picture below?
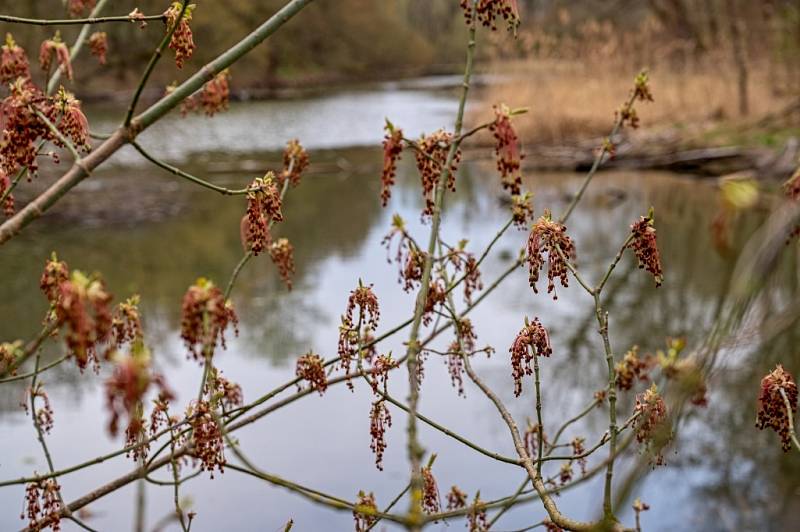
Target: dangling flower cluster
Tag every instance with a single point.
(82, 304)
(649, 424)
(462, 259)
(282, 255)
(126, 325)
(631, 368)
(641, 92)
(263, 208)
(772, 411)
(207, 437)
(55, 47)
(55, 272)
(137, 16)
(364, 511)
(409, 258)
(44, 414)
(431, 158)
(685, 371)
(204, 317)
(521, 210)
(532, 340)
(465, 338)
(73, 123)
(437, 293)
(477, 521)
(456, 499)
(578, 449)
(21, 127)
(392, 148)
(565, 473)
(13, 62)
(531, 438)
(379, 420)
(379, 372)
(311, 369)
(430, 492)
(182, 40)
(43, 505)
(487, 12)
(98, 46)
(549, 237)
(645, 247)
(507, 149)
(76, 7)
(295, 162)
(213, 98)
(136, 434)
(369, 315)
(5, 193)
(127, 386)
(222, 391)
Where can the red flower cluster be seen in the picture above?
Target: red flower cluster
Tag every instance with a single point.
(127, 387)
(477, 520)
(368, 317)
(392, 148)
(437, 294)
(631, 368)
(379, 420)
(521, 210)
(531, 439)
(55, 47)
(651, 419)
(44, 414)
(627, 113)
(282, 255)
(13, 62)
(456, 498)
(549, 237)
(43, 505)
(577, 450)
(311, 369)
(207, 437)
(182, 40)
(772, 411)
(73, 123)
(379, 372)
(487, 12)
(461, 259)
(98, 46)
(21, 127)
(430, 492)
(5, 193)
(263, 209)
(409, 258)
(76, 7)
(212, 99)
(82, 305)
(365, 502)
(431, 158)
(532, 340)
(645, 247)
(507, 149)
(205, 316)
(126, 326)
(295, 162)
(222, 391)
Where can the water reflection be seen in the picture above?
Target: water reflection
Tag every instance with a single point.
(336, 225)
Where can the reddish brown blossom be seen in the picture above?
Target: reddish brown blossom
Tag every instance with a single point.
(551, 238)
(641, 92)
(645, 247)
(577, 451)
(83, 307)
(364, 511)
(222, 391)
(437, 293)
(392, 148)
(182, 40)
(772, 410)
(13, 62)
(431, 155)
(531, 438)
(137, 16)
(5, 193)
(21, 127)
(213, 98)
(126, 326)
(532, 340)
(127, 386)
(55, 47)
(631, 368)
(9, 353)
(431, 502)
(650, 424)
(522, 210)
(44, 414)
(207, 437)
(507, 149)
(205, 316)
(71, 121)
(311, 369)
(282, 255)
(466, 261)
(409, 258)
(43, 505)
(379, 372)
(76, 7)
(488, 12)
(98, 46)
(456, 498)
(349, 331)
(295, 162)
(55, 272)
(477, 520)
(550, 526)
(263, 209)
(379, 420)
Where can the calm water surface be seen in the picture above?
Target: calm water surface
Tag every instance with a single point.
(151, 235)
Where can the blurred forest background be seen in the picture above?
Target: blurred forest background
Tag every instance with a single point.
(729, 62)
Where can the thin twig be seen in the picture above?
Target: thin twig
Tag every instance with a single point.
(74, 21)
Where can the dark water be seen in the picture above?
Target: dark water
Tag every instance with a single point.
(153, 235)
